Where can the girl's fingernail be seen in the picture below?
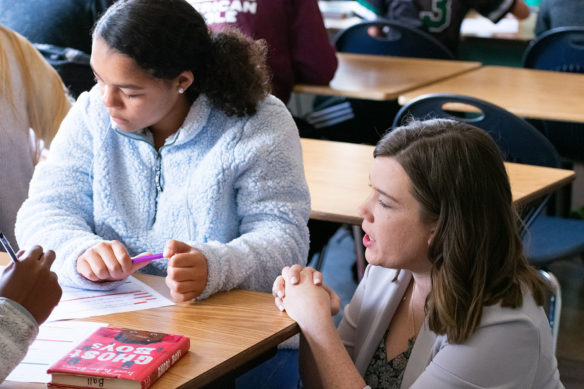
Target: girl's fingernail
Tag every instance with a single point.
(280, 294)
(294, 280)
(317, 281)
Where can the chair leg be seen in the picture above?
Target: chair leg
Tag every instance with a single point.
(320, 260)
(359, 251)
(555, 308)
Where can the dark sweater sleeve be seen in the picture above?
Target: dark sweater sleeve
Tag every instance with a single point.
(313, 55)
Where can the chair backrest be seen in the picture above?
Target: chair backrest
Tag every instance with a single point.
(560, 49)
(518, 140)
(385, 37)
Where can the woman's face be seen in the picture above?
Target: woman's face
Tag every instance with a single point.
(133, 98)
(395, 236)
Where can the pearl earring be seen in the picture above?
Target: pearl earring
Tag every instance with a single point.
(181, 90)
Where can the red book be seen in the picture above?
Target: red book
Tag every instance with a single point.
(118, 358)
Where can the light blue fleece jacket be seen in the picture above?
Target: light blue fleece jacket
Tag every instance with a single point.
(232, 187)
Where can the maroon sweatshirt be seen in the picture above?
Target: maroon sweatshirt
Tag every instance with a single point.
(299, 50)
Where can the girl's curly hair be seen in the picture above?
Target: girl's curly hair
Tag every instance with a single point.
(167, 37)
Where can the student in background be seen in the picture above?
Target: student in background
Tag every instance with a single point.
(32, 97)
(299, 50)
(28, 293)
(65, 23)
(62, 30)
(443, 18)
(448, 299)
(559, 13)
(178, 148)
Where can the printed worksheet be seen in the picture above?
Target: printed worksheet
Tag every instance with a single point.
(54, 340)
(132, 295)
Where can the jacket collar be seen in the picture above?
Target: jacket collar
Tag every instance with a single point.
(194, 122)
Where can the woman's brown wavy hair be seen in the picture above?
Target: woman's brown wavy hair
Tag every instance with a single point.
(167, 37)
(460, 181)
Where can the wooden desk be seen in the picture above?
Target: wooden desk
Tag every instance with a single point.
(527, 93)
(377, 77)
(226, 331)
(338, 178)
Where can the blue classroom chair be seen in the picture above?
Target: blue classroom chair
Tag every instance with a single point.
(546, 238)
(392, 38)
(561, 50)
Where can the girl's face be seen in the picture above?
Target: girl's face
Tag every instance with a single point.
(133, 98)
(395, 236)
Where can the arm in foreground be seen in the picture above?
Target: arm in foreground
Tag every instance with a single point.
(310, 306)
(29, 291)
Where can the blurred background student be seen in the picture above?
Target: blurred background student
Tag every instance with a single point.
(33, 102)
(61, 30)
(299, 50)
(559, 13)
(442, 18)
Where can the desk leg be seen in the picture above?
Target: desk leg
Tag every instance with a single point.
(228, 380)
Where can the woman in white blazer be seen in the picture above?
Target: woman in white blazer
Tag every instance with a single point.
(448, 299)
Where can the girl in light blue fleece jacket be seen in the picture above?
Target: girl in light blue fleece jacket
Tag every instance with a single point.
(177, 148)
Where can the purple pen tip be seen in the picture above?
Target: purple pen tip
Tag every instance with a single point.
(145, 258)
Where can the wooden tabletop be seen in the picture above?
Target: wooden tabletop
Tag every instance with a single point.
(338, 179)
(226, 331)
(377, 77)
(527, 93)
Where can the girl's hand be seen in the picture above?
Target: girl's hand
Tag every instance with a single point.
(186, 272)
(107, 261)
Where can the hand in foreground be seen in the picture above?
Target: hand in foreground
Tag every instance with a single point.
(186, 272)
(31, 283)
(107, 261)
(293, 274)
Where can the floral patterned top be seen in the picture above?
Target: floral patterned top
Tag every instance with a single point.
(385, 374)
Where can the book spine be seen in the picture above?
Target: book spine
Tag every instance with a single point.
(166, 364)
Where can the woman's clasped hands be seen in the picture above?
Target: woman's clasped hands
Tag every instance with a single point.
(303, 295)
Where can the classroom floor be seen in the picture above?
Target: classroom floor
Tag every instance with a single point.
(570, 350)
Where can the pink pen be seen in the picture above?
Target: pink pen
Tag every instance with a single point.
(145, 258)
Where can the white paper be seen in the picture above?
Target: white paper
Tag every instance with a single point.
(54, 341)
(481, 26)
(132, 295)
